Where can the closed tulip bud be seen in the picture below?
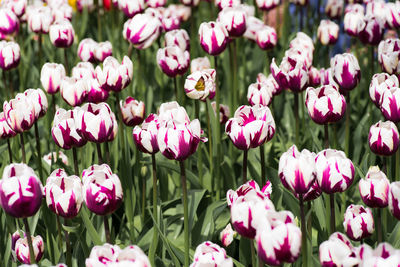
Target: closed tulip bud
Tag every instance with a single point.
(370, 30)
(226, 236)
(62, 11)
(213, 37)
(327, 78)
(266, 38)
(314, 77)
(374, 188)
(392, 14)
(328, 32)
(133, 255)
(74, 91)
(210, 254)
(9, 22)
(170, 22)
(21, 248)
(351, 21)
(179, 38)
(155, 3)
(39, 101)
(325, 104)
(290, 74)
(200, 63)
(101, 255)
(377, 9)
(142, 30)
(224, 112)
(334, 8)
(20, 191)
(115, 76)
(62, 33)
(66, 130)
(131, 8)
(63, 194)
(337, 251)
(83, 70)
(5, 129)
(379, 84)
(86, 50)
(259, 94)
(270, 82)
(201, 84)
(182, 11)
(267, 4)
(145, 137)
(383, 255)
(19, 113)
(335, 172)
(253, 26)
(248, 191)
(389, 55)
(132, 111)
(394, 196)
(52, 157)
(85, 4)
(390, 106)
(172, 111)
(280, 244)
(173, 61)
(102, 50)
(9, 55)
(222, 4)
(383, 138)
(96, 94)
(102, 190)
(357, 8)
(358, 222)
(297, 170)
(51, 77)
(250, 127)
(40, 19)
(345, 71)
(234, 20)
(303, 41)
(96, 123)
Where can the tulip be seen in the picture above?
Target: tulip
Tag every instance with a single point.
(145, 137)
(102, 255)
(115, 76)
(183, 12)
(132, 111)
(248, 190)
(95, 122)
(52, 156)
(155, 3)
(102, 50)
(95, 93)
(213, 37)
(5, 129)
(266, 38)
(314, 77)
(62, 33)
(9, 21)
(61, 11)
(83, 70)
(379, 84)
(250, 127)
(234, 20)
(170, 22)
(173, 61)
(21, 248)
(345, 71)
(357, 8)
(389, 55)
(40, 19)
(370, 30)
(210, 254)
(201, 84)
(51, 77)
(337, 251)
(223, 112)
(303, 41)
(325, 104)
(66, 130)
(222, 4)
(358, 222)
(9, 55)
(313, 193)
(389, 105)
(142, 30)
(280, 244)
(226, 236)
(86, 50)
(20, 191)
(383, 255)
(253, 26)
(131, 8)
(392, 14)
(383, 138)
(270, 83)
(102, 189)
(200, 63)
(328, 32)
(394, 203)
(259, 94)
(267, 4)
(374, 189)
(84, 4)
(114, 130)
(133, 255)
(334, 8)
(178, 38)
(190, 3)
(39, 101)
(377, 9)
(73, 91)
(19, 113)
(173, 111)
(351, 21)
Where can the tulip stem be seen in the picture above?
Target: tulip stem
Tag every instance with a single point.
(75, 155)
(21, 136)
(143, 191)
(153, 247)
(326, 130)
(262, 158)
(99, 153)
(397, 171)
(335, 141)
(9, 150)
(107, 229)
(303, 231)
(253, 253)
(99, 33)
(39, 154)
(130, 49)
(67, 245)
(185, 212)
(176, 90)
(210, 143)
(5, 85)
(296, 116)
(40, 49)
(217, 176)
(29, 237)
(233, 68)
(379, 225)
(244, 166)
(332, 207)
(107, 149)
(199, 152)
(59, 232)
(347, 129)
(66, 61)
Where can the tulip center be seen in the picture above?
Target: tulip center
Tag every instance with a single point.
(200, 86)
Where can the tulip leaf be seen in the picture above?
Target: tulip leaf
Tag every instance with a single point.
(94, 235)
(194, 181)
(71, 228)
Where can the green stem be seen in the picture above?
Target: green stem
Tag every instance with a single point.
(67, 245)
(107, 149)
(397, 171)
(39, 154)
(176, 90)
(332, 208)
(379, 225)
(244, 167)
(218, 133)
(262, 158)
(107, 229)
(21, 136)
(185, 212)
(303, 231)
(5, 85)
(29, 237)
(75, 155)
(66, 61)
(9, 150)
(100, 157)
(99, 33)
(347, 129)
(59, 228)
(253, 253)
(199, 152)
(296, 116)
(234, 75)
(40, 39)
(326, 135)
(143, 193)
(153, 247)
(210, 143)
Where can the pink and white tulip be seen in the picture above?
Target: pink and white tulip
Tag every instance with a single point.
(145, 137)
(201, 84)
(173, 61)
(62, 33)
(358, 222)
(379, 84)
(115, 76)
(345, 71)
(142, 30)
(51, 77)
(10, 55)
(133, 111)
(19, 113)
(213, 37)
(383, 138)
(374, 188)
(210, 254)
